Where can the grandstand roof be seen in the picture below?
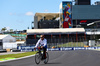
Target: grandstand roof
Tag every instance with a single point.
(47, 15)
(56, 31)
(3, 36)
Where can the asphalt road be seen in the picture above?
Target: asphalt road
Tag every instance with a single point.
(62, 58)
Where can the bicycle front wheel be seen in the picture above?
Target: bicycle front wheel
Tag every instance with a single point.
(37, 58)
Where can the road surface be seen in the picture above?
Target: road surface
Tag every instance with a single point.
(62, 58)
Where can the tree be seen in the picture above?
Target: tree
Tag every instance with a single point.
(3, 29)
(11, 30)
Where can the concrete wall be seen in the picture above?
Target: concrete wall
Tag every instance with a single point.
(9, 45)
(35, 22)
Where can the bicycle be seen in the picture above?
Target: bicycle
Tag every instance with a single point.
(39, 56)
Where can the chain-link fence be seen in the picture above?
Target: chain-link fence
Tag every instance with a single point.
(60, 40)
(67, 42)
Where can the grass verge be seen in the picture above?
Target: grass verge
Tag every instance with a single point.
(17, 55)
(72, 44)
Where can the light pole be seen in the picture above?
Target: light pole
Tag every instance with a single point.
(32, 25)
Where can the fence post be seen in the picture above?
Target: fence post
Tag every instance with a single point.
(76, 37)
(60, 39)
(84, 36)
(51, 41)
(35, 36)
(74, 42)
(83, 41)
(51, 45)
(68, 40)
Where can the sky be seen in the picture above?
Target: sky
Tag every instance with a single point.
(18, 14)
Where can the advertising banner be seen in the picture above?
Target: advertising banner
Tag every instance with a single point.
(25, 48)
(73, 48)
(67, 14)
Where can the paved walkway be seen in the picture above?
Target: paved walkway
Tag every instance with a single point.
(6, 53)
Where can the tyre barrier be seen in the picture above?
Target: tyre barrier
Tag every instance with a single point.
(2, 51)
(15, 50)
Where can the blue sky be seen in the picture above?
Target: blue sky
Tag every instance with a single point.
(18, 14)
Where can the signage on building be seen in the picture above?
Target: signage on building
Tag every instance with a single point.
(67, 14)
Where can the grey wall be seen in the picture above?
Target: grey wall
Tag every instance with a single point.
(86, 12)
(35, 22)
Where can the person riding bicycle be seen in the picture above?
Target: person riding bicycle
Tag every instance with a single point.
(43, 43)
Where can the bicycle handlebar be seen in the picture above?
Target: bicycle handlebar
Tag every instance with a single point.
(38, 48)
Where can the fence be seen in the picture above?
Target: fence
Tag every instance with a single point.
(67, 42)
(61, 41)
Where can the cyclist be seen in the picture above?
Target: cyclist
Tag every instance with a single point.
(43, 43)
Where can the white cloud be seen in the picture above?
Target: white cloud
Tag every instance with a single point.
(22, 14)
(20, 21)
(8, 28)
(58, 12)
(46, 10)
(50, 12)
(12, 13)
(29, 14)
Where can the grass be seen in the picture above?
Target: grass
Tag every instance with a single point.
(17, 55)
(98, 45)
(72, 44)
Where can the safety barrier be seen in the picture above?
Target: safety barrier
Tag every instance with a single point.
(25, 48)
(31, 48)
(73, 48)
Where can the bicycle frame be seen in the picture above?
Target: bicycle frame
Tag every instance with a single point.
(39, 51)
(40, 56)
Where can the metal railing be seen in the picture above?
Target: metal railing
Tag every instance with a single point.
(67, 42)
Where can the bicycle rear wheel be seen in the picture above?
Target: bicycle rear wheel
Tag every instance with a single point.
(47, 58)
(37, 58)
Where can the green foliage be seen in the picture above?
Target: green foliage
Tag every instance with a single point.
(3, 29)
(72, 44)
